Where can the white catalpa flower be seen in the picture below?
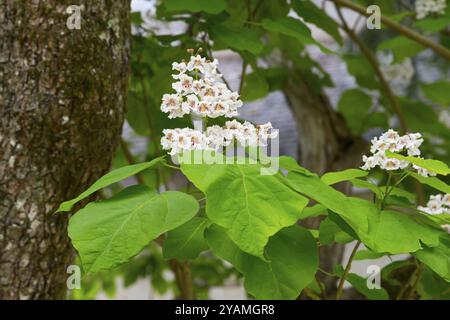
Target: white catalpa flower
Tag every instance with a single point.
(426, 7)
(393, 142)
(183, 85)
(216, 137)
(180, 67)
(172, 104)
(438, 204)
(186, 139)
(200, 77)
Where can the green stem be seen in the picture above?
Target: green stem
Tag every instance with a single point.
(321, 287)
(419, 273)
(170, 166)
(346, 271)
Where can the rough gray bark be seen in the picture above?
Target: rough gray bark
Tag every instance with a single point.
(325, 144)
(62, 101)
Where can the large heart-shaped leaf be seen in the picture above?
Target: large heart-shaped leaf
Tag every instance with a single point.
(110, 178)
(110, 232)
(250, 206)
(293, 262)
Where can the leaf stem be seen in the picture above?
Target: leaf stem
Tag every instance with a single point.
(321, 287)
(346, 271)
(170, 166)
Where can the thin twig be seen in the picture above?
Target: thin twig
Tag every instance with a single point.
(439, 49)
(321, 287)
(376, 68)
(243, 73)
(346, 271)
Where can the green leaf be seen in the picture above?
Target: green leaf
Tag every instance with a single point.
(437, 258)
(423, 118)
(432, 182)
(434, 24)
(395, 232)
(435, 166)
(242, 39)
(136, 18)
(402, 15)
(314, 211)
(360, 284)
(380, 191)
(355, 212)
(255, 87)
(358, 67)
(110, 232)
(208, 6)
(330, 178)
(252, 207)
(312, 14)
(385, 231)
(438, 92)
(432, 286)
(293, 28)
(135, 111)
(402, 47)
(110, 178)
(367, 255)
(330, 232)
(363, 184)
(354, 105)
(187, 241)
(288, 163)
(293, 262)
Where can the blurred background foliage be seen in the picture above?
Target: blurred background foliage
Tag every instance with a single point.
(279, 53)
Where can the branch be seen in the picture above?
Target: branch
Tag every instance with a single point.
(439, 49)
(376, 68)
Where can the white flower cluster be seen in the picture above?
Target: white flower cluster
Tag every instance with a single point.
(216, 137)
(393, 142)
(199, 91)
(437, 204)
(425, 7)
(398, 75)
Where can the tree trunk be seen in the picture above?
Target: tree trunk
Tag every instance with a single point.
(325, 144)
(62, 103)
